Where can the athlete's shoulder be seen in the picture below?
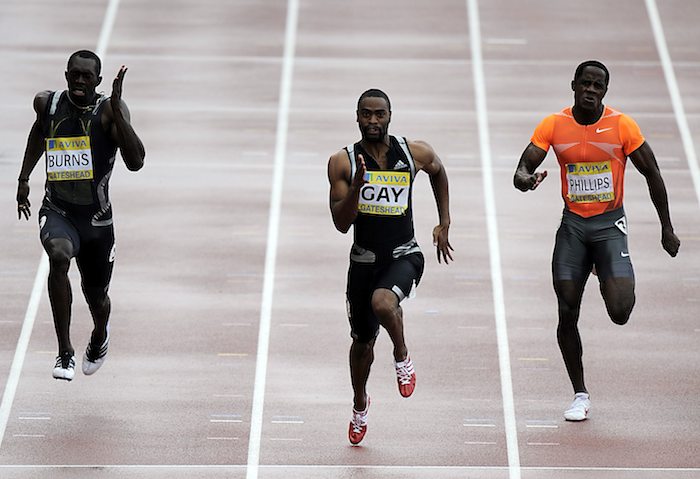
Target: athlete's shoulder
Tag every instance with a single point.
(41, 99)
(420, 147)
(610, 112)
(341, 154)
(563, 113)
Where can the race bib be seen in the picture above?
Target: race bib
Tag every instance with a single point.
(69, 159)
(590, 182)
(385, 194)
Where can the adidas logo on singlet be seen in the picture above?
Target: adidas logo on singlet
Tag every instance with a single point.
(400, 164)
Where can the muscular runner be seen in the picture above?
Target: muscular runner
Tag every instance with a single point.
(371, 188)
(78, 131)
(592, 143)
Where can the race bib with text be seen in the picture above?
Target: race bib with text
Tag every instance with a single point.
(69, 159)
(590, 182)
(385, 194)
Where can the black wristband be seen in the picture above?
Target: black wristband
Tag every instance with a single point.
(23, 179)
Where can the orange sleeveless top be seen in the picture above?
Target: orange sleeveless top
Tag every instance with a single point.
(591, 158)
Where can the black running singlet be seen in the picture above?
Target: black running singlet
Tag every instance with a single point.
(79, 158)
(385, 215)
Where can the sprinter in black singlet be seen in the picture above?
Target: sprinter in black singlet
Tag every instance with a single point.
(78, 131)
(371, 188)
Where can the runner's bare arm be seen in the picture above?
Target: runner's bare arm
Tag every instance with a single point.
(118, 121)
(32, 153)
(644, 160)
(344, 191)
(427, 160)
(525, 177)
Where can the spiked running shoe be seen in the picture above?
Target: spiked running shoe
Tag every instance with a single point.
(65, 367)
(358, 425)
(95, 357)
(578, 411)
(405, 377)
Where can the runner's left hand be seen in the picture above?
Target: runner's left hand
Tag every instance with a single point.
(117, 88)
(442, 243)
(670, 242)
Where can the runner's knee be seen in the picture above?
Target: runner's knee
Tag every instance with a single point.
(60, 252)
(96, 297)
(384, 303)
(361, 348)
(620, 312)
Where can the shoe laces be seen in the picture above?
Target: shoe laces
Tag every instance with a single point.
(65, 361)
(404, 371)
(359, 420)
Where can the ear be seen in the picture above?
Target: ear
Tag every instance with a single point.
(573, 85)
(99, 80)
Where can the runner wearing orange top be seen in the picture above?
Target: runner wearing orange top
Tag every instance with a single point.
(592, 143)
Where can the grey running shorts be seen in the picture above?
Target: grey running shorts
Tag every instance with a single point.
(600, 240)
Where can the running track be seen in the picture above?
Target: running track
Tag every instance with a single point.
(229, 350)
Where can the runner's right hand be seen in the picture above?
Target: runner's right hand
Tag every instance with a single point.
(23, 204)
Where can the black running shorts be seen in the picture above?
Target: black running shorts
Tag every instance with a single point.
(399, 275)
(93, 246)
(600, 240)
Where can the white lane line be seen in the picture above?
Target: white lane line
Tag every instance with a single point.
(43, 269)
(337, 467)
(675, 93)
(222, 438)
(22, 343)
(285, 93)
(106, 31)
(494, 248)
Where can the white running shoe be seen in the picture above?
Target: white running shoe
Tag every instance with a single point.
(65, 367)
(94, 358)
(578, 411)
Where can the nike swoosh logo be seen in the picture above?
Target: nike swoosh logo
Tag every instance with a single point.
(624, 255)
(601, 130)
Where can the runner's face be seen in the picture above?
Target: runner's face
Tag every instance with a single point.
(589, 89)
(373, 117)
(82, 80)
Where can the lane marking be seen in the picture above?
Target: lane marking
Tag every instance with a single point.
(285, 92)
(222, 438)
(480, 443)
(232, 355)
(494, 248)
(287, 420)
(42, 271)
(505, 41)
(674, 91)
(347, 466)
(25, 334)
